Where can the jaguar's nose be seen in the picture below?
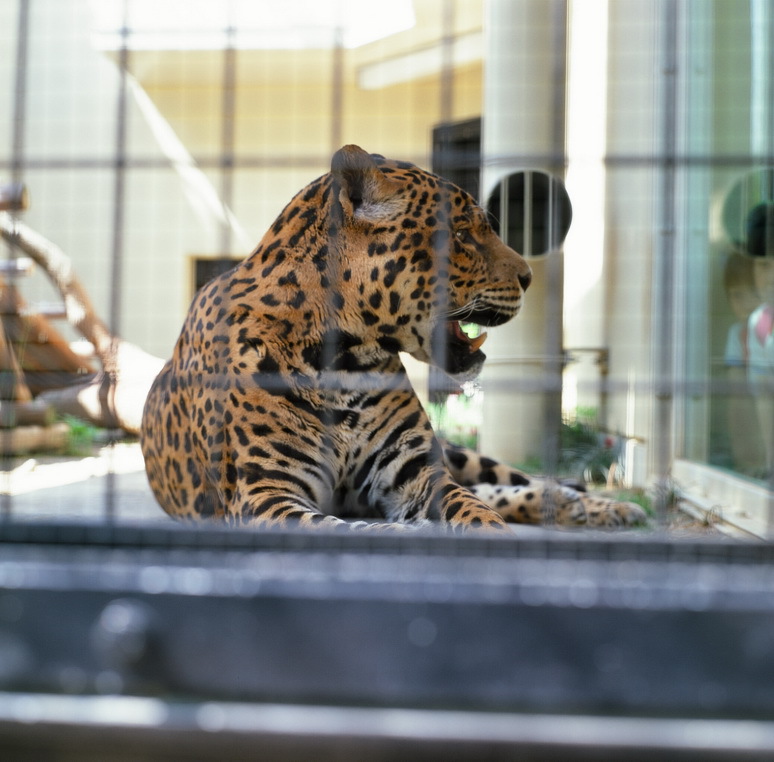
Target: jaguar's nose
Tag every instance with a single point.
(525, 279)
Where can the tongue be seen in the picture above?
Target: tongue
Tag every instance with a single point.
(473, 344)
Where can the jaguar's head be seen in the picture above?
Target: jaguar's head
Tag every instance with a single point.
(421, 259)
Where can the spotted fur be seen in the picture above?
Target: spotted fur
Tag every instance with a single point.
(524, 499)
(285, 400)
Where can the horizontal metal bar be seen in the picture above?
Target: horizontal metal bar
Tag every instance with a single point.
(248, 161)
(16, 266)
(104, 723)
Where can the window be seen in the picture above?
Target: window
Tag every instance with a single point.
(207, 268)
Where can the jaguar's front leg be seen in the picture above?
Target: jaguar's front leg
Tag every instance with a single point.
(403, 477)
(276, 507)
(432, 494)
(461, 511)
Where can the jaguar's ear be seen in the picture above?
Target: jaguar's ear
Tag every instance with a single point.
(364, 190)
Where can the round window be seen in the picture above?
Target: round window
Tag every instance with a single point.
(530, 211)
(748, 213)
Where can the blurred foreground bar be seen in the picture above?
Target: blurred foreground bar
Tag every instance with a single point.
(164, 641)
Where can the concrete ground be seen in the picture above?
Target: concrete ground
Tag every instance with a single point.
(109, 483)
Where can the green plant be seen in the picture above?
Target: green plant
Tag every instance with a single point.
(586, 452)
(638, 496)
(532, 464)
(81, 437)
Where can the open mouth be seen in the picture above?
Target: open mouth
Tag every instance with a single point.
(456, 352)
(458, 336)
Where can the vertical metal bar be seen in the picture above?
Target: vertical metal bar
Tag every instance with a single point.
(447, 62)
(761, 148)
(554, 266)
(337, 87)
(504, 211)
(20, 91)
(446, 116)
(336, 137)
(119, 180)
(664, 264)
(527, 215)
(761, 80)
(119, 208)
(550, 222)
(17, 171)
(228, 127)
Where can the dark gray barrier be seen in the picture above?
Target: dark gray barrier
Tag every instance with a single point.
(557, 627)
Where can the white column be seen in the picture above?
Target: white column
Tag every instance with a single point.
(521, 129)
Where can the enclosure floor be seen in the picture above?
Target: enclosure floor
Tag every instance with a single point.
(109, 483)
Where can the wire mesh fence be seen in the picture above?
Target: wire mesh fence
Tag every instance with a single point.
(156, 151)
(624, 148)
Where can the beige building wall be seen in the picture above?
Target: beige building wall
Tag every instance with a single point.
(284, 131)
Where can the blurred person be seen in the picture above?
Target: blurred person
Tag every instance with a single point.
(747, 450)
(760, 326)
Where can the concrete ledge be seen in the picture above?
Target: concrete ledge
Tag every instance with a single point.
(742, 503)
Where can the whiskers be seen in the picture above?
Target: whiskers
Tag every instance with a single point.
(461, 313)
(496, 310)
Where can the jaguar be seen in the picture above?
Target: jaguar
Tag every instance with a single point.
(286, 402)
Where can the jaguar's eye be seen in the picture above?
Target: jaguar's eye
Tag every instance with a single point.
(464, 235)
